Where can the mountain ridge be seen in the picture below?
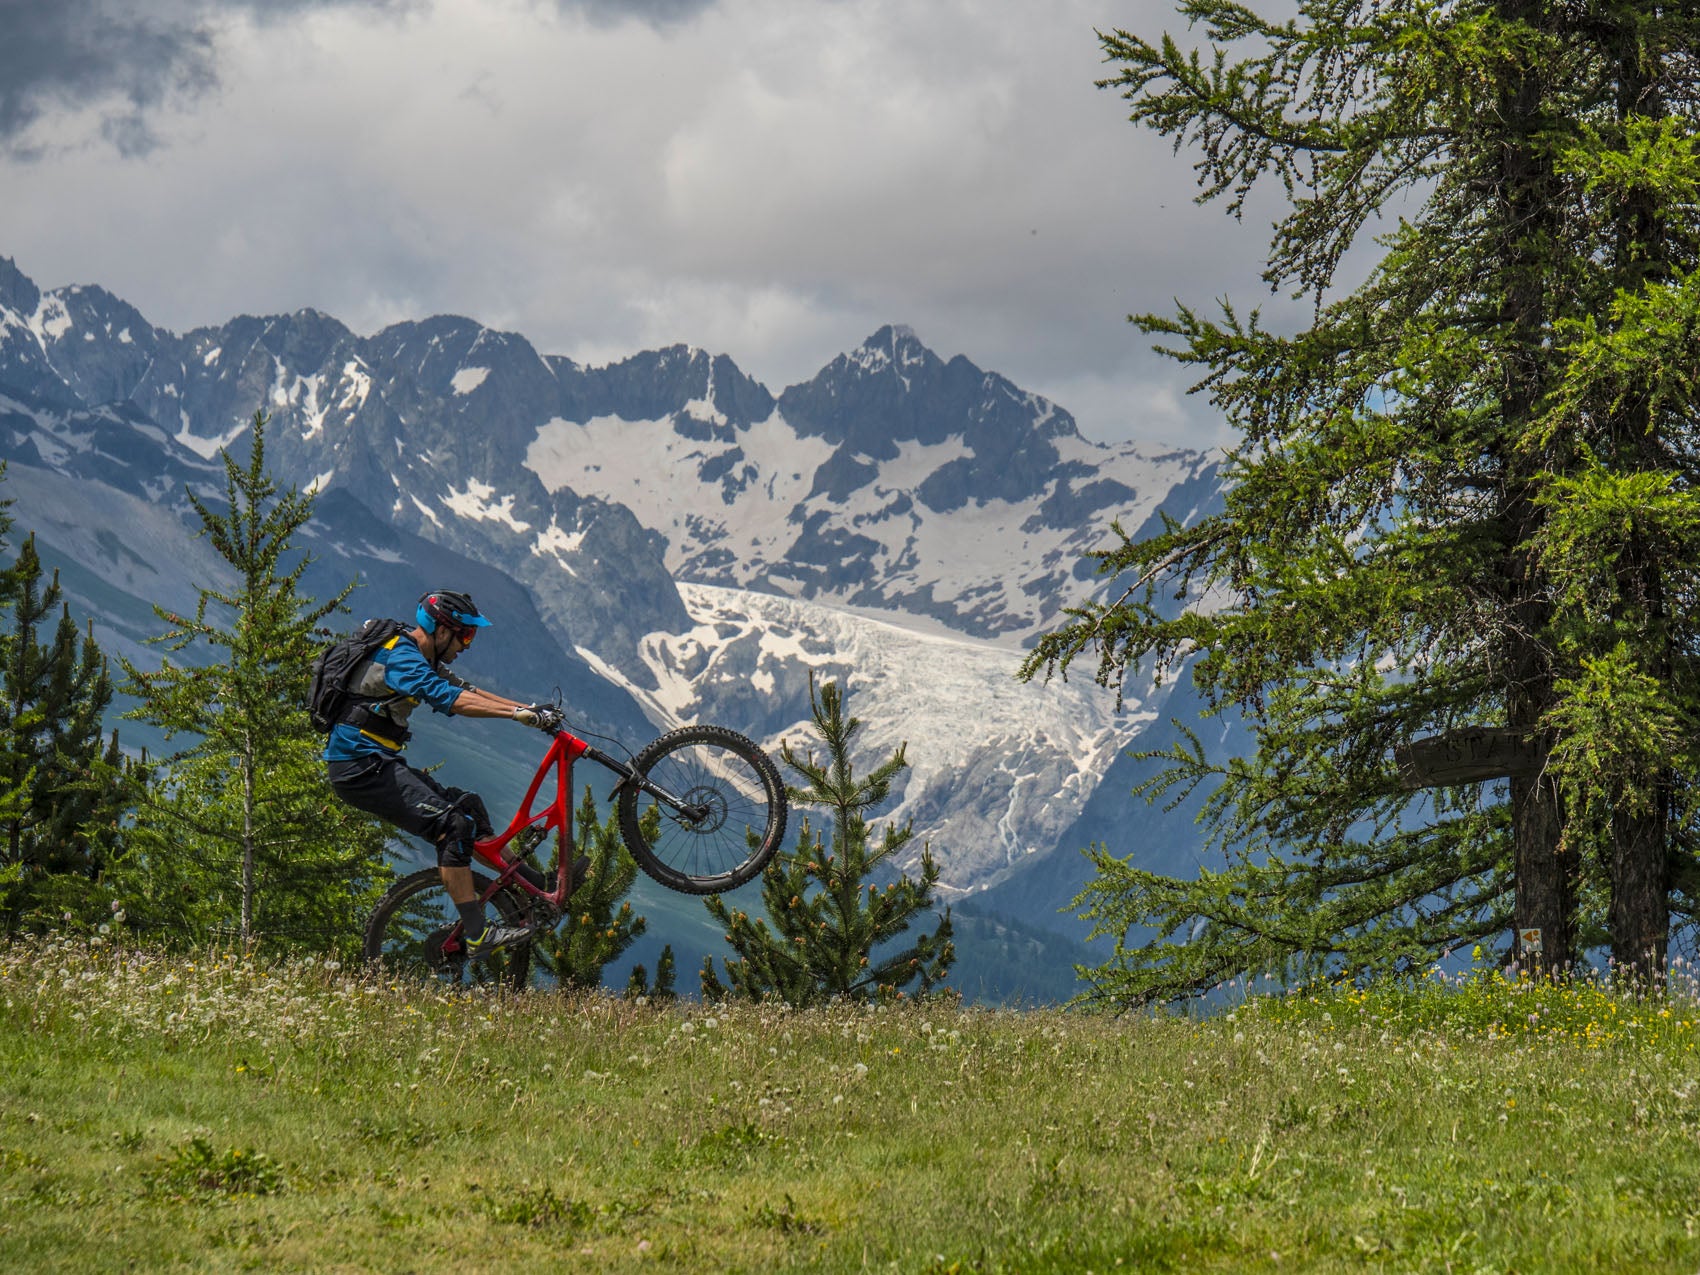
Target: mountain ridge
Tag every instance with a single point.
(693, 539)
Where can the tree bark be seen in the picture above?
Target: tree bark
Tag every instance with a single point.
(1639, 919)
(1546, 880)
(1639, 916)
(1545, 875)
(247, 853)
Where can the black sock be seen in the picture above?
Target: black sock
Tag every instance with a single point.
(472, 917)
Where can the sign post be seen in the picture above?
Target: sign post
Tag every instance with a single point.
(1470, 755)
(1474, 755)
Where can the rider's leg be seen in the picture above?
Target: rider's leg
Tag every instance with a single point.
(458, 883)
(472, 805)
(454, 862)
(416, 803)
(398, 794)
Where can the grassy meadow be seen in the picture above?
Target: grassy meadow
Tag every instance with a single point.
(222, 1113)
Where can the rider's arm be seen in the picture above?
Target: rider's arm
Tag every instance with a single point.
(408, 672)
(476, 703)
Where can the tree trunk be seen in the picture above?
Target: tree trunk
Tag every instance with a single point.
(1546, 880)
(247, 853)
(1545, 875)
(1640, 897)
(1639, 917)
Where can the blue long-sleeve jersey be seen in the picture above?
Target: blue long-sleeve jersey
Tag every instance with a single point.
(399, 672)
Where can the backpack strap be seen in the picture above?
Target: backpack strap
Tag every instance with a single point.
(360, 711)
(379, 725)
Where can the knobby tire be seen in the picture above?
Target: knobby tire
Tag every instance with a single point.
(739, 786)
(417, 909)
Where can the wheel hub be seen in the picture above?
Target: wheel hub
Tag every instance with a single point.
(707, 809)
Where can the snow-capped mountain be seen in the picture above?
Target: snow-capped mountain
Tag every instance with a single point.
(892, 481)
(692, 544)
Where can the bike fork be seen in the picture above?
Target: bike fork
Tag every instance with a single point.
(630, 778)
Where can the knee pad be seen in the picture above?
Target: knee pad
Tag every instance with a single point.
(454, 847)
(470, 803)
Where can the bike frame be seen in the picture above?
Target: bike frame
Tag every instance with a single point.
(557, 816)
(564, 750)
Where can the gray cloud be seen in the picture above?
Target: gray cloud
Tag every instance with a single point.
(772, 179)
(121, 57)
(68, 52)
(657, 13)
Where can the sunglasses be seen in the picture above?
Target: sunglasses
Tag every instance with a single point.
(465, 636)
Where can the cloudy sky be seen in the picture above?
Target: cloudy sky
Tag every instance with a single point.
(771, 179)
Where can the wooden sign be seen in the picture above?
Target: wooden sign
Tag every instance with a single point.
(1470, 755)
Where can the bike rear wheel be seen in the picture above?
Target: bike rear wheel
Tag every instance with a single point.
(416, 920)
(734, 814)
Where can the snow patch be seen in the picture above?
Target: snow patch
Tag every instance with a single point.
(468, 379)
(474, 502)
(998, 769)
(307, 394)
(557, 543)
(359, 383)
(704, 409)
(279, 393)
(51, 319)
(657, 474)
(207, 448)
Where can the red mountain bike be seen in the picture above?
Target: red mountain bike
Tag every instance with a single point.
(702, 809)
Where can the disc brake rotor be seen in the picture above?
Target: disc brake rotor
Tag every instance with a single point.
(712, 802)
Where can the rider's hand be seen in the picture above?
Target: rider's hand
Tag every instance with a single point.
(545, 717)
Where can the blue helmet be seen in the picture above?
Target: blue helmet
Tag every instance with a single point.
(441, 606)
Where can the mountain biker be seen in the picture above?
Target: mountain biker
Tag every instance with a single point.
(366, 769)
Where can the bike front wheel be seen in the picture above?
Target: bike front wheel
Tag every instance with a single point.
(718, 816)
(415, 933)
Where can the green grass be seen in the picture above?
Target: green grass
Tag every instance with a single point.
(163, 1113)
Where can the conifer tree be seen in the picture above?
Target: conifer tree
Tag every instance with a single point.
(662, 989)
(1463, 496)
(66, 785)
(23, 682)
(17, 776)
(599, 923)
(828, 918)
(243, 836)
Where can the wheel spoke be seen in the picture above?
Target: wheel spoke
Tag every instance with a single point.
(729, 816)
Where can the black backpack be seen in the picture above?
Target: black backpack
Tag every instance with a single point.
(329, 695)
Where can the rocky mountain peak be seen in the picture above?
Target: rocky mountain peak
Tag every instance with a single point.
(893, 389)
(17, 290)
(893, 350)
(705, 394)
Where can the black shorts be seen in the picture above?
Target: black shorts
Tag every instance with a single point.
(413, 801)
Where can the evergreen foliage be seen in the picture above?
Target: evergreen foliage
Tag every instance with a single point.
(1464, 495)
(662, 989)
(64, 784)
(599, 924)
(828, 918)
(243, 836)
